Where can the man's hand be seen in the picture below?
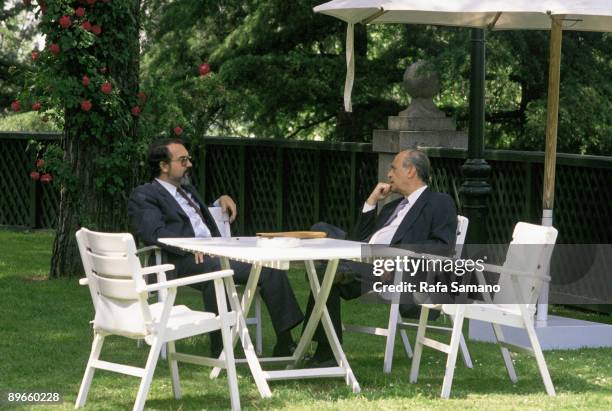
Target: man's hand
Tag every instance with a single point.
(381, 191)
(199, 257)
(229, 206)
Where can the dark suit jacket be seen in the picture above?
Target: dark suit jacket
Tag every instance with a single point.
(154, 214)
(431, 222)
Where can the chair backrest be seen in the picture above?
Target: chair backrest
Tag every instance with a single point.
(462, 227)
(530, 251)
(222, 220)
(114, 275)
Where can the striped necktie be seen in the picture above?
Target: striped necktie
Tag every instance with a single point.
(397, 210)
(191, 203)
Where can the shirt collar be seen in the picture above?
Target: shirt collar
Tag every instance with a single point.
(414, 196)
(169, 187)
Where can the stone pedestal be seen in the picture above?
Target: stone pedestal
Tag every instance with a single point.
(422, 124)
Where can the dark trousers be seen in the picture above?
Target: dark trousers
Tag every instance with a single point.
(357, 279)
(274, 288)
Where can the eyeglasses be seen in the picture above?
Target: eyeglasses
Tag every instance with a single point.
(184, 160)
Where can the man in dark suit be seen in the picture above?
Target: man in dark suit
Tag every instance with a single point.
(167, 207)
(420, 218)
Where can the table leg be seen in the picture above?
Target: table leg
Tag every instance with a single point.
(320, 313)
(241, 330)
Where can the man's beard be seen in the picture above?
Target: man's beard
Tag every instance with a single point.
(185, 180)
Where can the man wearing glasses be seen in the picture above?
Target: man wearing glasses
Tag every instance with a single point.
(169, 206)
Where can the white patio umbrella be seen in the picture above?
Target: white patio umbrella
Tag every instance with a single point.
(553, 15)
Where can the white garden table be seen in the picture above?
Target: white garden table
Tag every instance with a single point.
(246, 249)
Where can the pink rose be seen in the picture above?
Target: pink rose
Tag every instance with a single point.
(204, 69)
(106, 87)
(54, 48)
(86, 105)
(65, 22)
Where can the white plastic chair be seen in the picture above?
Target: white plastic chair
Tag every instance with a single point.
(223, 223)
(522, 276)
(119, 294)
(397, 322)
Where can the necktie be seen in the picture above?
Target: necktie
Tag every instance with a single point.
(397, 210)
(190, 202)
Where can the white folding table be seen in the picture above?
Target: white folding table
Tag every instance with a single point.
(308, 250)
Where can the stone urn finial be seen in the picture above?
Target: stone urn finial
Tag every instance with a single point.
(422, 85)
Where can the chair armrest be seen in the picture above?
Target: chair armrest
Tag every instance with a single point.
(147, 249)
(504, 271)
(83, 281)
(413, 254)
(179, 282)
(154, 269)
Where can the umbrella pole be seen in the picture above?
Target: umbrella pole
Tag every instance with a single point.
(550, 157)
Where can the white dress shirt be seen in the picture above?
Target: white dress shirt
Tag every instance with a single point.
(199, 227)
(386, 234)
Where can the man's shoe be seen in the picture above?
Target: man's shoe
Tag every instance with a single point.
(284, 350)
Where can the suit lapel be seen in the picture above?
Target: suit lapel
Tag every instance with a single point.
(411, 216)
(171, 201)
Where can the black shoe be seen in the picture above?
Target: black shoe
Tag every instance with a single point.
(284, 350)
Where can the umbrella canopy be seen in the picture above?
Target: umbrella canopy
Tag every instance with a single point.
(585, 15)
(581, 15)
(553, 15)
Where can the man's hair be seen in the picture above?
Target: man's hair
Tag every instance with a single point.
(421, 163)
(158, 151)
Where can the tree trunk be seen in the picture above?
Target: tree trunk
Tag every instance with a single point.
(89, 200)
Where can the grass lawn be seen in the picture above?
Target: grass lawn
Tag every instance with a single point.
(45, 340)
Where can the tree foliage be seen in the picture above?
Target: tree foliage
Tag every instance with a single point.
(86, 81)
(16, 42)
(278, 71)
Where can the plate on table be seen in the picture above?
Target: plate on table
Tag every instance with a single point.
(278, 242)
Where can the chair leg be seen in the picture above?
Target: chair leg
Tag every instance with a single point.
(174, 372)
(145, 383)
(96, 347)
(394, 318)
(499, 336)
(230, 365)
(465, 353)
(258, 328)
(418, 345)
(537, 351)
(406, 343)
(467, 359)
(451, 360)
